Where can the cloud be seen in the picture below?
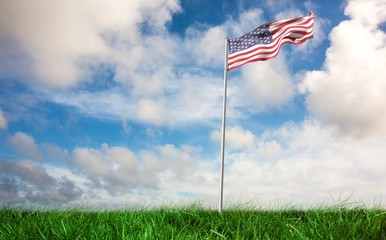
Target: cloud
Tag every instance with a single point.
(114, 169)
(184, 101)
(348, 92)
(142, 73)
(211, 45)
(307, 164)
(120, 171)
(207, 43)
(267, 85)
(61, 40)
(368, 13)
(25, 145)
(153, 89)
(236, 138)
(94, 175)
(3, 121)
(28, 182)
(150, 111)
(299, 163)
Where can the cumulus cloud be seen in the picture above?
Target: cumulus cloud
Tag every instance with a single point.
(154, 77)
(211, 50)
(304, 164)
(159, 93)
(25, 145)
(28, 182)
(114, 169)
(185, 101)
(236, 138)
(307, 164)
(118, 170)
(309, 161)
(3, 120)
(60, 40)
(267, 85)
(150, 111)
(88, 173)
(147, 83)
(348, 92)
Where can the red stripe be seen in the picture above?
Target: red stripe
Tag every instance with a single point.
(286, 36)
(263, 47)
(232, 56)
(254, 58)
(267, 58)
(286, 25)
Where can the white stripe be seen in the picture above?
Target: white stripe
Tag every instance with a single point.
(257, 54)
(255, 47)
(274, 36)
(293, 28)
(277, 23)
(279, 38)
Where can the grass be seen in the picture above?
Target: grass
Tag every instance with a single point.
(194, 222)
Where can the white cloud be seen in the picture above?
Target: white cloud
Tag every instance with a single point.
(302, 164)
(29, 183)
(99, 175)
(150, 111)
(152, 87)
(307, 164)
(348, 92)
(145, 67)
(184, 102)
(236, 138)
(62, 39)
(267, 84)
(159, 93)
(92, 162)
(118, 170)
(211, 45)
(3, 121)
(207, 44)
(369, 13)
(25, 145)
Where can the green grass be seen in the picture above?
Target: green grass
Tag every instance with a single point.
(194, 222)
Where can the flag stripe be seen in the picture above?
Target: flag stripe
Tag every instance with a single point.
(291, 31)
(264, 53)
(282, 32)
(263, 56)
(303, 24)
(280, 35)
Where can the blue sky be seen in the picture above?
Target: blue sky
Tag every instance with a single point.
(119, 103)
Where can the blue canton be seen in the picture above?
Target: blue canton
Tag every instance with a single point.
(260, 35)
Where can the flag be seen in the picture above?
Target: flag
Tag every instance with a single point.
(264, 42)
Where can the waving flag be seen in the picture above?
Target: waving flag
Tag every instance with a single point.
(264, 42)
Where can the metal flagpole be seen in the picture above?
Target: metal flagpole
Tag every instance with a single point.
(220, 203)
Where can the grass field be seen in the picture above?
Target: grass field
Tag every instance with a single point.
(194, 222)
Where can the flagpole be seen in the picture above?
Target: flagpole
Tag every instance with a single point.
(220, 203)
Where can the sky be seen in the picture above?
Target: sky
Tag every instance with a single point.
(118, 104)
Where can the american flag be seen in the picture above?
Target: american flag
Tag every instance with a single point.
(264, 42)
